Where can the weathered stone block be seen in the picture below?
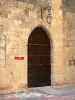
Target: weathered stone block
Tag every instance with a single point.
(26, 11)
(12, 3)
(21, 5)
(2, 43)
(2, 62)
(2, 37)
(2, 51)
(1, 29)
(2, 56)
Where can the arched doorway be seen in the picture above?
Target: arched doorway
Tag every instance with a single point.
(39, 67)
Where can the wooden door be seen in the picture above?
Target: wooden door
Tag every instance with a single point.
(39, 68)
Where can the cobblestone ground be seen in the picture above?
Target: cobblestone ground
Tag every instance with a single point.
(35, 96)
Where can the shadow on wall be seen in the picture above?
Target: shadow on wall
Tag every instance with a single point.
(68, 5)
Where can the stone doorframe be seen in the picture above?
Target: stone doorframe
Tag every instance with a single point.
(51, 43)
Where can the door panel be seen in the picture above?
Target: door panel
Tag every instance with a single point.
(39, 68)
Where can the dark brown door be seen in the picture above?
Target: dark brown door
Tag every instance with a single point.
(39, 69)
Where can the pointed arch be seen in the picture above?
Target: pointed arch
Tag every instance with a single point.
(39, 65)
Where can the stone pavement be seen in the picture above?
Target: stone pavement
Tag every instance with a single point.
(53, 94)
(56, 91)
(42, 97)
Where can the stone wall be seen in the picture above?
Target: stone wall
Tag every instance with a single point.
(58, 68)
(69, 39)
(18, 18)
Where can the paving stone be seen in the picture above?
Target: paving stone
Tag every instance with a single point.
(56, 91)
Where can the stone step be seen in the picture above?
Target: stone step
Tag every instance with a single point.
(56, 91)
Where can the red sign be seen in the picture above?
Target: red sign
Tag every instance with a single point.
(19, 58)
